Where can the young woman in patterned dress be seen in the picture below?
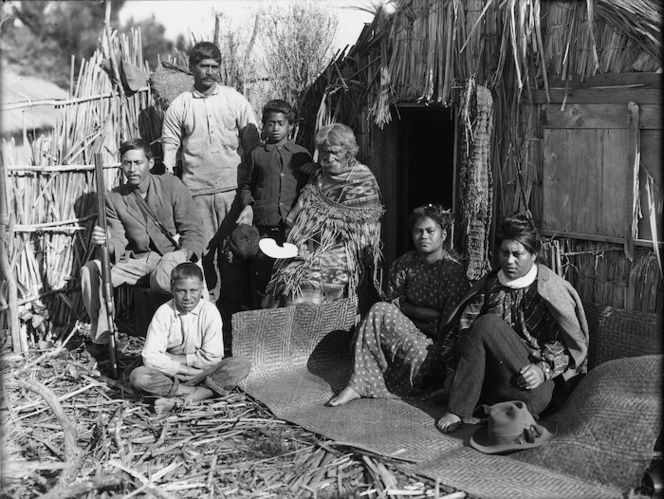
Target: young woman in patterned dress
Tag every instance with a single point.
(400, 347)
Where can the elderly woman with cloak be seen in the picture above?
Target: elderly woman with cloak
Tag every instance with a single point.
(335, 225)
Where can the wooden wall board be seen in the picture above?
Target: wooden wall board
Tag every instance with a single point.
(598, 116)
(607, 159)
(584, 181)
(644, 79)
(597, 96)
(614, 164)
(557, 205)
(584, 149)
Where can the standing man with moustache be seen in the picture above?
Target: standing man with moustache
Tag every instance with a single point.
(216, 129)
(141, 252)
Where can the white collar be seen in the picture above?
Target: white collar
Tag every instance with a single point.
(520, 282)
(201, 95)
(195, 311)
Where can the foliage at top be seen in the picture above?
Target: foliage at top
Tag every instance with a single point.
(40, 37)
(276, 54)
(296, 42)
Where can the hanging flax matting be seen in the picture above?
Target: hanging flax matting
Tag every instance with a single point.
(607, 429)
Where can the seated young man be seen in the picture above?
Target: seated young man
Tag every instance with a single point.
(184, 347)
(143, 217)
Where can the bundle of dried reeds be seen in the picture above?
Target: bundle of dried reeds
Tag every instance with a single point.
(169, 81)
(602, 275)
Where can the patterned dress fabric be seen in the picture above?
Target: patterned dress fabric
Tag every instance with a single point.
(394, 354)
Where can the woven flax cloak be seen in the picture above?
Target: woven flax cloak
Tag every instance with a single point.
(337, 232)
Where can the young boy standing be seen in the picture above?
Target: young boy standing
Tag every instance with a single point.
(268, 185)
(183, 351)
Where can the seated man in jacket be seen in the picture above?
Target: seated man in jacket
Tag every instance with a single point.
(152, 226)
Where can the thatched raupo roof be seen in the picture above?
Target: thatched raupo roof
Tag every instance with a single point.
(426, 49)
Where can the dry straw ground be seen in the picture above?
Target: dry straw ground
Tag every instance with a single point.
(70, 431)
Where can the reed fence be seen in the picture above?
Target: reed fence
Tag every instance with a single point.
(51, 192)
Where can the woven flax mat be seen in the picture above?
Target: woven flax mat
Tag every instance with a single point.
(607, 429)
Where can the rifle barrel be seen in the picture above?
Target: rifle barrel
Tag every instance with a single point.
(107, 285)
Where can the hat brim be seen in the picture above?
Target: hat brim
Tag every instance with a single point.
(270, 247)
(483, 442)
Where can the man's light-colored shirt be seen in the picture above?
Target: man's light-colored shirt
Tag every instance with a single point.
(197, 335)
(216, 132)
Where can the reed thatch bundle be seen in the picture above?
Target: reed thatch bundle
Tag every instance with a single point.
(51, 192)
(168, 81)
(427, 49)
(602, 275)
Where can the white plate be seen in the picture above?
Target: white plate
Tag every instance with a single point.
(270, 247)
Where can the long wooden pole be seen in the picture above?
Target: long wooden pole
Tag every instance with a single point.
(19, 342)
(106, 265)
(114, 66)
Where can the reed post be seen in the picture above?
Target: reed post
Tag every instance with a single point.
(19, 342)
(114, 68)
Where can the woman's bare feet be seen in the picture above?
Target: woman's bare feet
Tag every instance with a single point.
(346, 395)
(448, 422)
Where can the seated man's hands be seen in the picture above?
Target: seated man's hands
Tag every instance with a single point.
(178, 256)
(530, 377)
(98, 237)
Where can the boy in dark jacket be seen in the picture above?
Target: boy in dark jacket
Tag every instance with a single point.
(268, 186)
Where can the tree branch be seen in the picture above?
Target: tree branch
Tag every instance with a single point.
(73, 453)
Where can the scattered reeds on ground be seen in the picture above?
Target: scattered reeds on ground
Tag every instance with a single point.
(70, 431)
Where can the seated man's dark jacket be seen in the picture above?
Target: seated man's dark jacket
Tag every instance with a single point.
(133, 232)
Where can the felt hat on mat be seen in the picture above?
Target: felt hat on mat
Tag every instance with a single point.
(243, 241)
(510, 427)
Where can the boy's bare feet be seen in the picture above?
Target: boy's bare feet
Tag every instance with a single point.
(346, 395)
(164, 405)
(448, 422)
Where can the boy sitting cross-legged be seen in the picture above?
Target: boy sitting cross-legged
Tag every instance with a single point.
(182, 355)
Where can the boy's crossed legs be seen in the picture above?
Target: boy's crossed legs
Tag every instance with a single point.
(173, 392)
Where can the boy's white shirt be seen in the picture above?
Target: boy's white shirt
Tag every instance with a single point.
(196, 334)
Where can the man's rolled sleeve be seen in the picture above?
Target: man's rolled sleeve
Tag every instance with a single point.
(171, 133)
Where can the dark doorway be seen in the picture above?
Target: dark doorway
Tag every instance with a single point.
(426, 163)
